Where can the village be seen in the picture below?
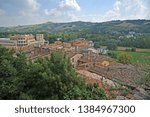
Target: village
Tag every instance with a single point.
(118, 80)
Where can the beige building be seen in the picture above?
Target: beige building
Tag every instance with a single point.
(23, 40)
(7, 42)
(40, 40)
(74, 59)
(40, 37)
(25, 43)
(58, 42)
(66, 45)
(81, 44)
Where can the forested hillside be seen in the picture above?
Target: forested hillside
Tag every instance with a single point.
(128, 33)
(139, 26)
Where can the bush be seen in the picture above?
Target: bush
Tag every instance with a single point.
(125, 58)
(133, 49)
(146, 80)
(112, 46)
(112, 55)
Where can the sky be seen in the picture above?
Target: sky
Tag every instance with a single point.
(26, 12)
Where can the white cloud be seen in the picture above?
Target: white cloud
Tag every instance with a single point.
(135, 9)
(30, 8)
(46, 12)
(18, 8)
(69, 5)
(127, 9)
(20, 12)
(33, 4)
(64, 12)
(114, 13)
(15, 6)
(117, 5)
(20, 20)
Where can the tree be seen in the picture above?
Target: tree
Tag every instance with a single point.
(44, 78)
(72, 86)
(112, 46)
(133, 49)
(112, 54)
(8, 74)
(125, 58)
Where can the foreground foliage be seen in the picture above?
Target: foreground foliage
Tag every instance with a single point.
(44, 78)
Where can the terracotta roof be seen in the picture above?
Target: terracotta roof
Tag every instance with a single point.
(52, 46)
(80, 44)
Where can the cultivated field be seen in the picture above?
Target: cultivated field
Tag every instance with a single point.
(137, 49)
(138, 57)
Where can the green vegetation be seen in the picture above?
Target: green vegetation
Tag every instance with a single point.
(137, 57)
(124, 58)
(133, 49)
(44, 78)
(112, 46)
(112, 54)
(146, 80)
(129, 33)
(54, 78)
(137, 49)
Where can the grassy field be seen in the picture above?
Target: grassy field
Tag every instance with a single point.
(124, 48)
(138, 57)
(137, 49)
(141, 56)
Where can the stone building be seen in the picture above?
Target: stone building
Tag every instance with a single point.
(39, 37)
(7, 42)
(23, 40)
(75, 59)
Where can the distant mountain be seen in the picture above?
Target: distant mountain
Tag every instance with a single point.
(140, 26)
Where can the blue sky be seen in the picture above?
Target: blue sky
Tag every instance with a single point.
(24, 12)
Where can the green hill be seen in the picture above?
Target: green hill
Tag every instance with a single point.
(140, 26)
(127, 33)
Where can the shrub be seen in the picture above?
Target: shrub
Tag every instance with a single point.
(112, 55)
(125, 58)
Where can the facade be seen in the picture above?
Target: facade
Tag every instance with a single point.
(53, 47)
(39, 37)
(23, 40)
(26, 43)
(66, 45)
(93, 50)
(7, 42)
(39, 40)
(81, 44)
(58, 42)
(91, 44)
(74, 59)
(102, 50)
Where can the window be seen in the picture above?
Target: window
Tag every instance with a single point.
(72, 59)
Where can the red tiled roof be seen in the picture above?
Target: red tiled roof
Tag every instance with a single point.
(80, 44)
(52, 46)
